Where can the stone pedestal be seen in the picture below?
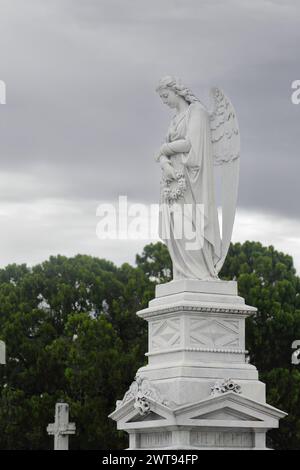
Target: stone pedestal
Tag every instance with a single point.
(198, 390)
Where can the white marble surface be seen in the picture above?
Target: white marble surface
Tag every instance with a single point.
(196, 286)
(61, 429)
(229, 421)
(196, 140)
(197, 339)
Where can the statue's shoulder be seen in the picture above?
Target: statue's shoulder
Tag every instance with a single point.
(198, 109)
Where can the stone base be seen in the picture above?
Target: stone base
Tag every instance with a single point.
(198, 390)
(196, 286)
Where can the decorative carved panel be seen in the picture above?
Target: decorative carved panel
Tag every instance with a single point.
(222, 439)
(165, 334)
(155, 439)
(214, 332)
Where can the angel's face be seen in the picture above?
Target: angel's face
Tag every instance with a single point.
(169, 97)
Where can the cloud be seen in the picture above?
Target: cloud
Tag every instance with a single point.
(82, 120)
(35, 230)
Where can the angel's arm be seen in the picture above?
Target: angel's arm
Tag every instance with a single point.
(177, 146)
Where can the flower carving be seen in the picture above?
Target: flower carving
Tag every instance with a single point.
(227, 385)
(141, 390)
(174, 189)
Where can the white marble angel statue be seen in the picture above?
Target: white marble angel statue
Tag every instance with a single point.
(197, 139)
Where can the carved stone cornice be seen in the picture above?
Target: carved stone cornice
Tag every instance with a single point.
(151, 312)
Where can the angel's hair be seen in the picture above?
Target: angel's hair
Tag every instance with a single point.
(176, 85)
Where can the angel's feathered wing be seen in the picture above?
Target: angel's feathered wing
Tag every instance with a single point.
(225, 137)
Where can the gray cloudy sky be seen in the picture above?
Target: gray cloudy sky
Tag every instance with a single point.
(82, 120)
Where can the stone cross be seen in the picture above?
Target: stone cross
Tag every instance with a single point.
(61, 428)
(2, 353)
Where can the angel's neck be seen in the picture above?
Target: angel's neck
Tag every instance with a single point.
(181, 106)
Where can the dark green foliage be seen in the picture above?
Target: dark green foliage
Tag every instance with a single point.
(268, 281)
(72, 333)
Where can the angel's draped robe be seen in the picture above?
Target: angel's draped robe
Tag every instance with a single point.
(190, 226)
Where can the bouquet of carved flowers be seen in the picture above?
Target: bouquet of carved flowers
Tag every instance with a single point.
(228, 385)
(232, 386)
(174, 189)
(142, 404)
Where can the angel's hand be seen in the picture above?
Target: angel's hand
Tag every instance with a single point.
(169, 171)
(159, 154)
(165, 150)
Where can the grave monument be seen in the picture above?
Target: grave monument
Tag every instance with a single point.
(198, 390)
(61, 429)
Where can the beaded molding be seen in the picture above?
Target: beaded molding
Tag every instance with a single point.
(190, 308)
(209, 350)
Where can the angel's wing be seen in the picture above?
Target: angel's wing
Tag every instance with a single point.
(226, 152)
(224, 126)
